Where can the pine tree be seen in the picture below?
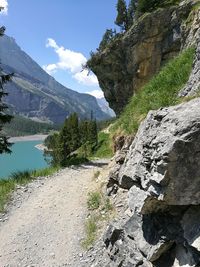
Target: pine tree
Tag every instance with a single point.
(131, 12)
(64, 143)
(4, 118)
(107, 37)
(122, 20)
(73, 124)
(92, 133)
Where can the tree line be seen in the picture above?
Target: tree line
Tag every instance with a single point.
(74, 135)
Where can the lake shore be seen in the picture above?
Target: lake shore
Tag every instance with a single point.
(41, 147)
(36, 137)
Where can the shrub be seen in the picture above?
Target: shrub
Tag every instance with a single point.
(151, 5)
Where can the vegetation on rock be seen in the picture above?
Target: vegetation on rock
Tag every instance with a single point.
(151, 5)
(161, 91)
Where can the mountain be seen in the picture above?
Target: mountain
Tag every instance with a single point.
(105, 107)
(35, 94)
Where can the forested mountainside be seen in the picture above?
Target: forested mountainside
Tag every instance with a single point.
(35, 94)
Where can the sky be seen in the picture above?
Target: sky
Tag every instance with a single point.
(60, 34)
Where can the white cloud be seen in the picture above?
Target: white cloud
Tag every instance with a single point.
(86, 78)
(4, 4)
(50, 69)
(70, 61)
(96, 93)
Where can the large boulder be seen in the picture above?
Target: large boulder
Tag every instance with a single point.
(163, 161)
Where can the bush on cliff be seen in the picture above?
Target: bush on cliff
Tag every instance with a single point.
(151, 5)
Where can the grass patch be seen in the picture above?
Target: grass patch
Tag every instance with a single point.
(45, 172)
(6, 187)
(96, 174)
(161, 91)
(104, 147)
(94, 200)
(91, 232)
(20, 178)
(196, 6)
(101, 211)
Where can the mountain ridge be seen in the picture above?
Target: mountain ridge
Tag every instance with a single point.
(33, 93)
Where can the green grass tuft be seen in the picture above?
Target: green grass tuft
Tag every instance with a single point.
(6, 187)
(94, 200)
(91, 232)
(96, 174)
(21, 177)
(161, 91)
(45, 172)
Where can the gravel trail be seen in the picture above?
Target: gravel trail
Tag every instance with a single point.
(45, 221)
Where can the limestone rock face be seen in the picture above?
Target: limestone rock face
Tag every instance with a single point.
(133, 58)
(162, 173)
(163, 161)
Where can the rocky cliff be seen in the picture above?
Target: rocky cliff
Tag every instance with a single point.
(132, 58)
(35, 94)
(158, 173)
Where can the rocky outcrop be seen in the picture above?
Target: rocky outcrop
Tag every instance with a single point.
(134, 57)
(161, 172)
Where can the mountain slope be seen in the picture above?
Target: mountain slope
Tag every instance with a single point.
(105, 106)
(35, 94)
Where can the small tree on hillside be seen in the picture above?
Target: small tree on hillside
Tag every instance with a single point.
(121, 19)
(107, 38)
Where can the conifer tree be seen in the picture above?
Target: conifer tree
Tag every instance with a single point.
(131, 12)
(92, 132)
(121, 19)
(64, 143)
(107, 37)
(73, 124)
(4, 118)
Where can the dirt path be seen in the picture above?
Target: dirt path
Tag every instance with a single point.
(45, 223)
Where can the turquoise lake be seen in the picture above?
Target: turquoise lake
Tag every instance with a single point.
(24, 156)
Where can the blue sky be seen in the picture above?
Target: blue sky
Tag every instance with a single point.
(59, 35)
